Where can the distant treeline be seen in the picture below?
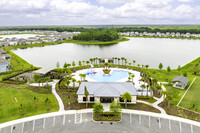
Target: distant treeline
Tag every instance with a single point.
(152, 29)
(101, 35)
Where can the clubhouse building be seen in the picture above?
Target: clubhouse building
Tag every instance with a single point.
(106, 92)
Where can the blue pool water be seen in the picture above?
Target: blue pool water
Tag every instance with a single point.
(115, 76)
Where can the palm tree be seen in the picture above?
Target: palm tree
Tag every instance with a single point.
(87, 62)
(115, 60)
(126, 62)
(146, 66)
(92, 60)
(96, 60)
(81, 76)
(118, 61)
(132, 76)
(67, 83)
(138, 66)
(129, 78)
(84, 76)
(152, 89)
(73, 80)
(83, 62)
(79, 82)
(143, 86)
(129, 63)
(99, 60)
(129, 73)
(126, 97)
(134, 62)
(147, 90)
(158, 88)
(154, 82)
(122, 58)
(79, 63)
(86, 93)
(106, 65)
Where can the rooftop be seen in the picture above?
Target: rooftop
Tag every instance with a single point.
(107, 89)
(181, 79)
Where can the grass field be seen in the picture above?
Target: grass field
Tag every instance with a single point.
(11, 98)
(191, 100)
(1, 37)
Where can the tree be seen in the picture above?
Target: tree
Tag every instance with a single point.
(74, 81)
(185, 74)
(115, 107)
(143, 86)
(79, 82)
(84, 76)
(83, 62)
(57, 64)
(98, 108)
(47, 102)
(92, 60)
(35, 101)
(126, 97)
(36, 77)
(129, 78)
(169, 98)
(81, 76)
(154, 82)
(86, 93)
(122, 58)
(79, 63)
(87, 62)
(132, 76)
(158, 88)
(134, 62)
(160, 66)
(146, 66)
(73, 63)
(106, 65)
(147, 90)
(21, 109)
(118, 61)
(138, 65)
(168, 69)
(65, 65)
(179, 67)
(67, 83)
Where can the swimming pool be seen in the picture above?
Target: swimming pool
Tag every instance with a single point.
(115, 76)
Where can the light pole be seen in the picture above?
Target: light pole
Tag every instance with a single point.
(69, 104)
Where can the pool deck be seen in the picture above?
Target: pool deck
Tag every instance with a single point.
(135, 79)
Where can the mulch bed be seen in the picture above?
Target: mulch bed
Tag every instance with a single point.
(180, 112)
(141, 106)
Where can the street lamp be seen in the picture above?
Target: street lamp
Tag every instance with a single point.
(69, 104)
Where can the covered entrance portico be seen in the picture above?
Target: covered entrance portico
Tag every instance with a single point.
(106, 99)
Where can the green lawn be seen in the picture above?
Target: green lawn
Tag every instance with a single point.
(9, 107)
(191, 100)
(175, 92)
(1, 37)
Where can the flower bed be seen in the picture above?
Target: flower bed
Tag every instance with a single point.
(106, 71)
(107, 116)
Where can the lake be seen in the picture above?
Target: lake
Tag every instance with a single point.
(146, 51)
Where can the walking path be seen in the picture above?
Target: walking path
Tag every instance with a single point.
(155, 104)
(60, 102)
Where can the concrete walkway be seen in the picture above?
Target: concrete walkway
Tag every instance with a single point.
(155, 104)
(106, 106)
(60, 102)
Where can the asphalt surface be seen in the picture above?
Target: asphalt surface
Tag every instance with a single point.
(130, 123)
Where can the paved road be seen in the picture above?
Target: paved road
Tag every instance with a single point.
(83, 123)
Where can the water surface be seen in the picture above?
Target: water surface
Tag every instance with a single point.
(146, 51)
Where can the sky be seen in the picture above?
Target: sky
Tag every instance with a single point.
(98, 12)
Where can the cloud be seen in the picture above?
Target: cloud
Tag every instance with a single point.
(84, 12)
(185, 0)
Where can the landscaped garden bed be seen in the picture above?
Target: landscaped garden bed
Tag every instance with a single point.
(106, 71)
(107, 116)
(180, 112)
(141, 106)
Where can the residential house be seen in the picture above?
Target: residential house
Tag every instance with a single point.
(180, 82)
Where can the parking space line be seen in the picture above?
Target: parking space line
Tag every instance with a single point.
(54, 118)
(44, 123)
(159, 123)
(130, 118)
(170, 128)
(22, 127)
(149, 121)
(140, 120)
(180, 127)
(33, 125)
(11, 130)
(191, 129)
(63, 119)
